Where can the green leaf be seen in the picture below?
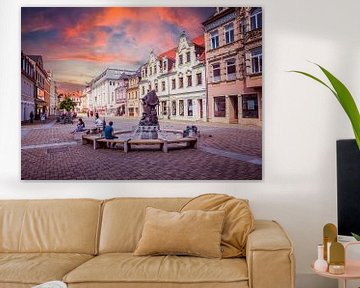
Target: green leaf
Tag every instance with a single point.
(344, 97)
(356, 236)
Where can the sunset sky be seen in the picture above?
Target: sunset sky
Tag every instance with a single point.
(79, 43)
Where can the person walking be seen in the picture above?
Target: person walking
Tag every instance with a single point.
(31, 117)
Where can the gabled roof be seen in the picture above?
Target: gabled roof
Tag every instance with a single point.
(169, 54)
(200, 41)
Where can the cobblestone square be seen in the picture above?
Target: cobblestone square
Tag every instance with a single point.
(224, 152)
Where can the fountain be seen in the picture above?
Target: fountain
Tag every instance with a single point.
(148, 132)
(148, 127)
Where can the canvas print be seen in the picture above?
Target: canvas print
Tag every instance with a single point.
(141, 93)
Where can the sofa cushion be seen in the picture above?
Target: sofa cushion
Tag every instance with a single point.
(126, 268)
(123, 220)
(193, 232)
(239, 220)
(62, 226)
(36, 268)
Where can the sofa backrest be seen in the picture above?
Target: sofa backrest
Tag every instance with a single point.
(123, 220)
(67, 226)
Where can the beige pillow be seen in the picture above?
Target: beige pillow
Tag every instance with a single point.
(196, 233)
(238, 223)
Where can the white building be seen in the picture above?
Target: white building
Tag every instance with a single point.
(101, 90)
(27, 87)
(178, 77)
(53, 95)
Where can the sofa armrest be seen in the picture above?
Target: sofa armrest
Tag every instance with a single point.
(269, 256)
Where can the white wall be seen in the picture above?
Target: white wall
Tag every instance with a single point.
(301, 120)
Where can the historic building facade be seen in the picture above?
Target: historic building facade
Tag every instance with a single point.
(233, 42)
(101, 91)
(121, 95)
(27, 87)
(39, 92)
(133, 95)
(53, 105)
(178, 78)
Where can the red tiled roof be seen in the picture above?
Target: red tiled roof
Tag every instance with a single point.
(200, 41)
(169, 54)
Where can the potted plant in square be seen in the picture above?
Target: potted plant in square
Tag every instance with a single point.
(348, 161)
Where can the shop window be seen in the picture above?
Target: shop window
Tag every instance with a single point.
(181, 107)
(250, 106)
(173, 108)
(189, 107)
(219, 106)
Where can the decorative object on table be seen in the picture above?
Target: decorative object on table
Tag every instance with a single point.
(329, 236)
(344, 97)
(320, 264)
(51, 284)
(337, 258)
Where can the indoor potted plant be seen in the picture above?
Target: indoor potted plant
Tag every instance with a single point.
(348, 161)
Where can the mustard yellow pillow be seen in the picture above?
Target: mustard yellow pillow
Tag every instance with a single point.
(196, 233)
(238, 223)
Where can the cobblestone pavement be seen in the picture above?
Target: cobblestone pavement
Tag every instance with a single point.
(225, 152)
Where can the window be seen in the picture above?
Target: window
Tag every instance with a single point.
(216, 72)
(149, 89)
(164, 65)
(219, 106)
(181, 107)
(164, 108)
(250, 106)
(155, 69)
(190, 107)
(188, 57)
(256, 19)
(180, 59)
(173, 108)
(163, 86)
(229, 33)
(256, 60)
(112, 96)
(173, 84)
(156, 87)
(231, 69)
(214, 36)
(189, 80)
(199, 78)
(181, 82)
(143, 90)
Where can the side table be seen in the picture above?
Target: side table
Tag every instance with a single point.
(352, 269)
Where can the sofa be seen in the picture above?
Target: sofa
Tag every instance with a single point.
(90, 243)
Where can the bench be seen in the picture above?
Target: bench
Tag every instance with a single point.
(109, 142)
(190, 142)
(88, 139)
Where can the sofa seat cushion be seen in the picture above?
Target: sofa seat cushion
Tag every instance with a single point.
(36, 268)
(127, 268)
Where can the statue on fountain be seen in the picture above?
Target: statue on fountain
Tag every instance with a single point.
(149, 118)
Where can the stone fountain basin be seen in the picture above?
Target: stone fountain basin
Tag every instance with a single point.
(167, 139)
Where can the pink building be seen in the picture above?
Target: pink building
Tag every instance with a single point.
(233, 43)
